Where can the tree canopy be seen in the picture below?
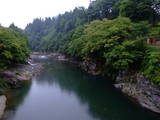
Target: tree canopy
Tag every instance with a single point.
(140, 10)
(110, 32)
(13, 46)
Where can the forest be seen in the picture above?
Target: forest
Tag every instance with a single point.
(13, 46)
(96, 63)
(113, 33)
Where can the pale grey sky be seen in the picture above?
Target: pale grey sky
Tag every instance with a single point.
(22, 12)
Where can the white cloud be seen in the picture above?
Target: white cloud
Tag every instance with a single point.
(22, 12)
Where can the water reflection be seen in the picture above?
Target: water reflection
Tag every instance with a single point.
(105, 102)
(19, 94)
(64, 92)
(15, 98)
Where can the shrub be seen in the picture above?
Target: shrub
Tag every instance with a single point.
(151, 64)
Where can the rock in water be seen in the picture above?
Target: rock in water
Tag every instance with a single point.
(2, 105)
(43, 57)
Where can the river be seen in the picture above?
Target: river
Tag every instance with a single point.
(64, 92)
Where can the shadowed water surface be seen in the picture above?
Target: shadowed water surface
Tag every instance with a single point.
(63, 92)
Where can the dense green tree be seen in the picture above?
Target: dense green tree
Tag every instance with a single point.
(37, 30)
(13, 47)
(119, 42)
(100, 9)
(140, 10)
(151, 64)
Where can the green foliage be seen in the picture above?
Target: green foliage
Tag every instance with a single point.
(152, 64)
(126, 54)
(74, 47)
(110, 32)
(120, 43)
(13, 47)
(155, 31)
(37, 30)
(51, 34)
(3, 86)
(139, 10)
(100, 9)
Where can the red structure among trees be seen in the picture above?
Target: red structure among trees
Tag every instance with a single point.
(153, 42)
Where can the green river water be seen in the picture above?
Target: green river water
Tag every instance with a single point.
(64, 92)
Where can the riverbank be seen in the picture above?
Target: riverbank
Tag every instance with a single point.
(15, 77)
(20, 73)
(145, 92)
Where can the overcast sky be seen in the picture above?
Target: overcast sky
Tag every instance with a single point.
(22, 12)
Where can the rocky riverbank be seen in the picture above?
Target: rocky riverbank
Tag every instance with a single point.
(143, 91)
(146, 93)
(20, 73)
(87, 65)
(15, 77)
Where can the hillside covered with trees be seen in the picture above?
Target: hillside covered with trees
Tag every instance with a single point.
(13, 46)
(113, 33)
